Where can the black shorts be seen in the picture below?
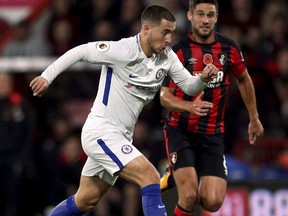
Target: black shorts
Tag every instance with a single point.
(203, 152)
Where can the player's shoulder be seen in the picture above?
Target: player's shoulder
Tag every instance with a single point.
(126, 44)
(125, 48)
(223, 39)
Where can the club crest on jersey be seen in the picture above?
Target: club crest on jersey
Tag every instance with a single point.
(173, 157)
(126, 149)
(207, 59)
(102, 46)
(160, 73)
(222, 58)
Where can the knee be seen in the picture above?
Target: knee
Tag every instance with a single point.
(187, 199)
(190, 197)
(211, 203)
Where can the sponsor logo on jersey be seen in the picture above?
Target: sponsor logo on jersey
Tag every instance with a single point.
(222, 58)
(126, 149)
(147, 89)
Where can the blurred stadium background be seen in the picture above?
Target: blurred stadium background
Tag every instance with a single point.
(40, 150)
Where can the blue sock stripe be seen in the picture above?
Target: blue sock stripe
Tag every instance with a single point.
(71, 205)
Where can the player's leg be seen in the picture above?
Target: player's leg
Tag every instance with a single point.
(115, 153)
(213, 173)
(144, 174)
(187, 187)
(212, 192)
(181, 157)
(90, 191)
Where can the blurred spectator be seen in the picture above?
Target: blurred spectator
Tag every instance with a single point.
(274, 33)
(63, 27)
(242, 15)
(96, 11)
(281, 85)
(103, 30)
(16, 134)
(61, 37)
(179, 13)
(130, 12)
(24, 44)
(241, 23)
(47, 159)
(134, 28)
(3, 27)
(71, 160)
(271, 9)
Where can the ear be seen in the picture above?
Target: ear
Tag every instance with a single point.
(189, 15)
(146, 28)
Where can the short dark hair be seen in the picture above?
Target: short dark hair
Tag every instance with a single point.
(155, 13)
(194, 3)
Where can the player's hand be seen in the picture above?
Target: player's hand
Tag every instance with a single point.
(255, 131)
(200, 107)
(39, 85)
(209, 73)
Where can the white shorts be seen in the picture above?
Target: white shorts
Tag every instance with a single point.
(108, 152)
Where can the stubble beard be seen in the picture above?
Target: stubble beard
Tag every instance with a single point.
(201, 35)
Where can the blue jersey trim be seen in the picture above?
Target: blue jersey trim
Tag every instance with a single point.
(110, 153)
(107, 86)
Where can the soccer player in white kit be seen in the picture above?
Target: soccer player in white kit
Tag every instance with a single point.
(132, 72)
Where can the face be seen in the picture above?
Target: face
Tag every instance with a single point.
(203, 20)
(159, 36)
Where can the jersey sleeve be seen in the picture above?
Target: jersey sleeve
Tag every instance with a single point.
(100, 52)
(238, 63)
(107, 52)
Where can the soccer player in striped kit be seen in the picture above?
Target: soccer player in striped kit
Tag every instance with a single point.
(194, 129)
(132, 72)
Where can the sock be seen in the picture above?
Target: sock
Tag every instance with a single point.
(66, 208)
(152, 201)
(179, 211)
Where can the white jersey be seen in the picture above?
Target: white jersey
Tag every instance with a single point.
(129, 79)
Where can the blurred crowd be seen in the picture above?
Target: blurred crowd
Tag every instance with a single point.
(41, 156)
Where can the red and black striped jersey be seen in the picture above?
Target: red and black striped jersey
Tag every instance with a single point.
(226, 55)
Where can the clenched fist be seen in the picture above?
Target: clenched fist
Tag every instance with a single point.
(209, 73)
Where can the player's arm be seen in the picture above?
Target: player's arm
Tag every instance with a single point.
(247, 91)
(172, 103)
(40, 83)
(190, 85)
